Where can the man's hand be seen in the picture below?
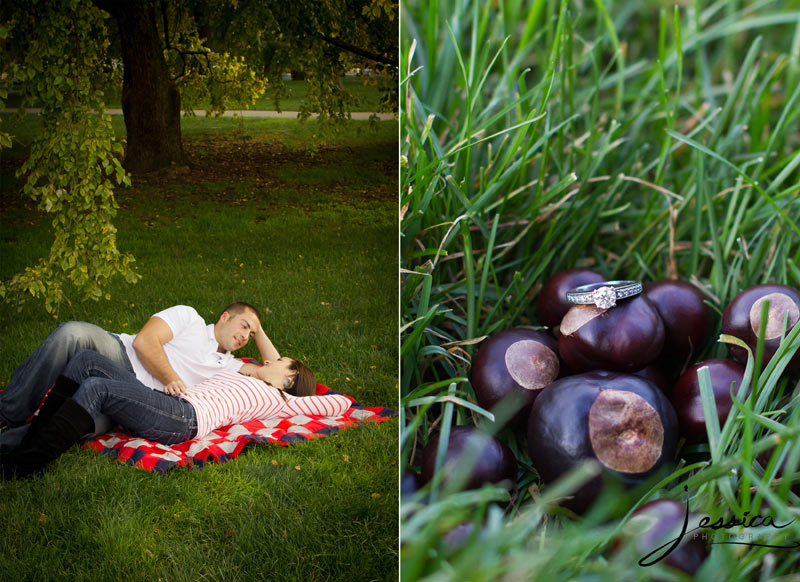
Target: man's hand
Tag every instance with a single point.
(175, 388)
(149, 347)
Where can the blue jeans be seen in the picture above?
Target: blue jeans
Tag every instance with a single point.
(34, 377)
(108, 389)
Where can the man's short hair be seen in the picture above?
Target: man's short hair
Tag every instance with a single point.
(240, 306)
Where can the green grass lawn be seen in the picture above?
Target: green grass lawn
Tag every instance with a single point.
(367, 97)
(641, 140)
(309, 235)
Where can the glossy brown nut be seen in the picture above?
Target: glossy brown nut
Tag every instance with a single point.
(654, 374)
(623, 421)
(659, 522)
(457, 537)
(687, 320)
(552, 304)
(689, 405)
(487, 459)
(514, 364)
(743, 317)
(409, 483)
(624, 338)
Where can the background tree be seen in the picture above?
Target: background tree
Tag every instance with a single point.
(165, 58)
(65, 54)
(73, 165)
(323, 40)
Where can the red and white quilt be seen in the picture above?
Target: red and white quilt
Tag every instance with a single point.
(225, 444)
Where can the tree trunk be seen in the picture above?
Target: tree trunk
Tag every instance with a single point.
(151, 103)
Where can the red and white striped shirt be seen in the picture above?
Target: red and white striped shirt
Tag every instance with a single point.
(229, 398)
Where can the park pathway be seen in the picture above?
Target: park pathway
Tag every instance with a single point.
(356, 115)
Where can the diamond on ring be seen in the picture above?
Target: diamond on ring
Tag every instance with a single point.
(604, 295)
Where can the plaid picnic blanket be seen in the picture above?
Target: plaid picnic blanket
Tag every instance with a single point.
(226, 443)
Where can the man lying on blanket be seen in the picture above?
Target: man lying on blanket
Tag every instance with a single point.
(102, 387)
(173, 350)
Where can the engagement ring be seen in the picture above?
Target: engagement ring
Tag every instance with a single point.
(604, 295)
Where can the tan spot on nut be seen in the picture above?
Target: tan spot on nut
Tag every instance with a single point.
(532, 364)
(779, 305)
(625, 431)
(578, 316)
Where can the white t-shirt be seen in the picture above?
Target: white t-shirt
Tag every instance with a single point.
(192, 351)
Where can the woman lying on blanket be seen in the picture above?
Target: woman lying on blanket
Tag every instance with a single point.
(100, 387)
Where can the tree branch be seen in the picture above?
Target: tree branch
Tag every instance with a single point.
(358, 51)
(195, 54)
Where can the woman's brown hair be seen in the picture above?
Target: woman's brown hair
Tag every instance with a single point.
(304, 383)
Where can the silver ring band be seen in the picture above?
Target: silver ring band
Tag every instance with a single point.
(604, 295)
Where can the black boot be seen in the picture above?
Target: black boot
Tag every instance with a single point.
(63, 389)
(48, 442)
